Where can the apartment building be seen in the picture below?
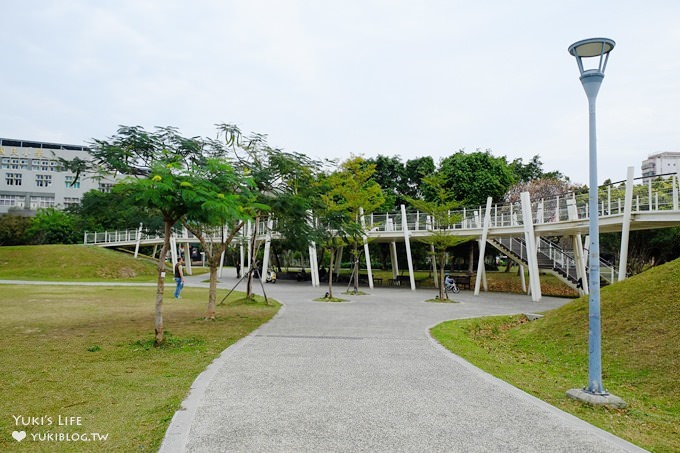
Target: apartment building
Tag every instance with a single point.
(32, 178)
(661, 164)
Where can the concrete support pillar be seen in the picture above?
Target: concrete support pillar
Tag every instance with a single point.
(625, 224)
(313, 258)
(242, 256)
(577, 246)
(481, 271)
(139, 239)
(394, 260)
(220, 268)
(367, 254)
(187, 258)
(530, 240)
(314, 265)
(407, 243)
(267, 248)
(249, 234)
(173, 250)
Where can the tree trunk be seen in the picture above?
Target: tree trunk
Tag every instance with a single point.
(160, 286)
(440, 275)
(213, 254)
(212, 292)
(356, 268)
(471, 265)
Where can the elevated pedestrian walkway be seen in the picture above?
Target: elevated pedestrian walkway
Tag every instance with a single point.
(519, 229)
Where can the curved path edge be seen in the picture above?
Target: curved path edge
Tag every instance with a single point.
(568, 418)
(177, 434)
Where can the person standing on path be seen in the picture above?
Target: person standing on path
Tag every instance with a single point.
(179, 277)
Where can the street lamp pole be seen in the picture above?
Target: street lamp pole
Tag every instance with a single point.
(595, 50)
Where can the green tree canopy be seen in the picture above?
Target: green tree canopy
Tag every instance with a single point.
(99, 211)
(475, 176)
(164, 174)
(53, 226)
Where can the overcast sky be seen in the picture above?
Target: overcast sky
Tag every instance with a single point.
(334, 78)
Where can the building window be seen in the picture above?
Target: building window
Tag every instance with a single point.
(14, 164)
(5, 162)
(41, 165)
(70, 184)
(11, 200)
(68, 201)
(105, 187)
(13, 179)
(43, 180)
(42, 202)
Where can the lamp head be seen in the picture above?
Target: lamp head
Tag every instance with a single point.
(596, 51)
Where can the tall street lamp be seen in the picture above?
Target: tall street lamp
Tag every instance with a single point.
(595, 53)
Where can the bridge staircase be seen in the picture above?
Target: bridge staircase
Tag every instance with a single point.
(552, 259)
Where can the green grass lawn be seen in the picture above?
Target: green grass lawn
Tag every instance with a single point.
(73, 263)
(87, 352)
(547, 357)
(78, 263)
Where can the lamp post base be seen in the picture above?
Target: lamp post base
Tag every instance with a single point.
(593, 399)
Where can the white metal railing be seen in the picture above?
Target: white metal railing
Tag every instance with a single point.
(139, 235)
(555, 257)
(648, 197)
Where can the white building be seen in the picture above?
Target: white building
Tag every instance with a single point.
(661, 164)
(31, 177)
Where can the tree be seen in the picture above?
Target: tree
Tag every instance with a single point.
(389, 173)
(113, 211)
(543, 188)
(159, 167)
(14, 229)
(52, 226)
(282, 184)
(474, 177)
(224, 199)
(352, 190)
(415, 170)
(441, 237)
(332, 229)
(533, 170)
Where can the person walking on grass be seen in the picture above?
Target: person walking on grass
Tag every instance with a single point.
(179, 277)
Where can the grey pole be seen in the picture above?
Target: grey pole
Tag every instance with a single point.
(591, 83)
(591, 79)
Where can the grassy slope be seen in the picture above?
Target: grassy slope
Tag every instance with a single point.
(641, 355)
(86, 352)
(72, 262)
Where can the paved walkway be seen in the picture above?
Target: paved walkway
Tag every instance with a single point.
(366, 376)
